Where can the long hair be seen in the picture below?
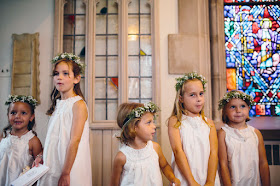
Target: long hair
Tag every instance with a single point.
(178, 108)
(55, 93)
(128, 131)
(30, 125)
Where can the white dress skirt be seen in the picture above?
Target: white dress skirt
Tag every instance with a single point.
(141, 167)
(194, 133)
(243, 156)
(14, 156)
(56, 143)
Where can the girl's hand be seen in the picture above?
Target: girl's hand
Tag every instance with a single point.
(64, 180)
(176, 182)
(38, 159)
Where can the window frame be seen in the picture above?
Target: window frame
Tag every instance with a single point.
(122, 54)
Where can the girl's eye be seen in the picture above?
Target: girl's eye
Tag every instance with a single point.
(243, 106)
(24, 113)
(66, 73)
(201, 93)
(232, 107)
(13, 113)
(192, 95)
(55, 74)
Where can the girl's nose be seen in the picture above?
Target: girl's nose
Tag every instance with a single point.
(154, 125)
(237, 109)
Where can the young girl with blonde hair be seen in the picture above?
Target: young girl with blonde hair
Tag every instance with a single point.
(242, 154)
(139, 160)
(192, 136)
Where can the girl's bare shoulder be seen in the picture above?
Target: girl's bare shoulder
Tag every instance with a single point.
(172, 121)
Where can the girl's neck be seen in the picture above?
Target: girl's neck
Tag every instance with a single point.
(67, 95)
(191, 114)
(238, 126)
(19, 133)
(138, 144)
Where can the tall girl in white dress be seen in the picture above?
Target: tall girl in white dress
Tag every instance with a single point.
(192, 137)
(139, 160)
(19, 144)
(242, 154)
(67, 151)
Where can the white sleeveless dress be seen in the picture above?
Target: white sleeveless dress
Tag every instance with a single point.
(141, 167)
(243, 155)
(57, 140)
(14, 156)
(194, 133)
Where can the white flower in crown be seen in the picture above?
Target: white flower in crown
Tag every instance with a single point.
(21, 98)
(72, 57)
(190, 76)
(140, 111)
(235, 94)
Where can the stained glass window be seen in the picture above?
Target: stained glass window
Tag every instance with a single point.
(252, 42)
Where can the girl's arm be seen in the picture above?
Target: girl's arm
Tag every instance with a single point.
(223, 158)
(263, 165)
(164, 166)
(119, 162)
(36, 150)
(79, 118)
(213, 157)
(180, 156)
(35, 147)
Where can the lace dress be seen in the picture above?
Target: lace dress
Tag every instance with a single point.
(57, 140)
(194, 133)
(141, 167)
(14, 156)
(243, 155)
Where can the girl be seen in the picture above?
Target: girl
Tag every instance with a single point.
(67, 151)
(19, 144)
(242, 154)
(192, 137)
(139, 160)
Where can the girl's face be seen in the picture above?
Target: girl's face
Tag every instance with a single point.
(64, 79)
(146, 128)
(19, 116)
(193, 97)
(237, 111)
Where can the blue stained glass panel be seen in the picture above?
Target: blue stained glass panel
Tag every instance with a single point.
(252, 42)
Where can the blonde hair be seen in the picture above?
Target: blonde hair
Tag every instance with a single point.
(128, 133)
(178, 108)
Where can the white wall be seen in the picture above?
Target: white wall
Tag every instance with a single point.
(168, 24)
(27, 16)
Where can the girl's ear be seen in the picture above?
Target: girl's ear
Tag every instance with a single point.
(77, 79)
(32, 117)
(181, 99)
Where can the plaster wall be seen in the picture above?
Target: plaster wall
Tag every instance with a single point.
(28, 16)
(168, 24)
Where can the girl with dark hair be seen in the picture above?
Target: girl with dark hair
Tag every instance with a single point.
(19, 144)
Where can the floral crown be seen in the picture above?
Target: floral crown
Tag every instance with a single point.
(72, 57)
(21, 98)
(235, 94)
(140, 111)
(190, 76)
